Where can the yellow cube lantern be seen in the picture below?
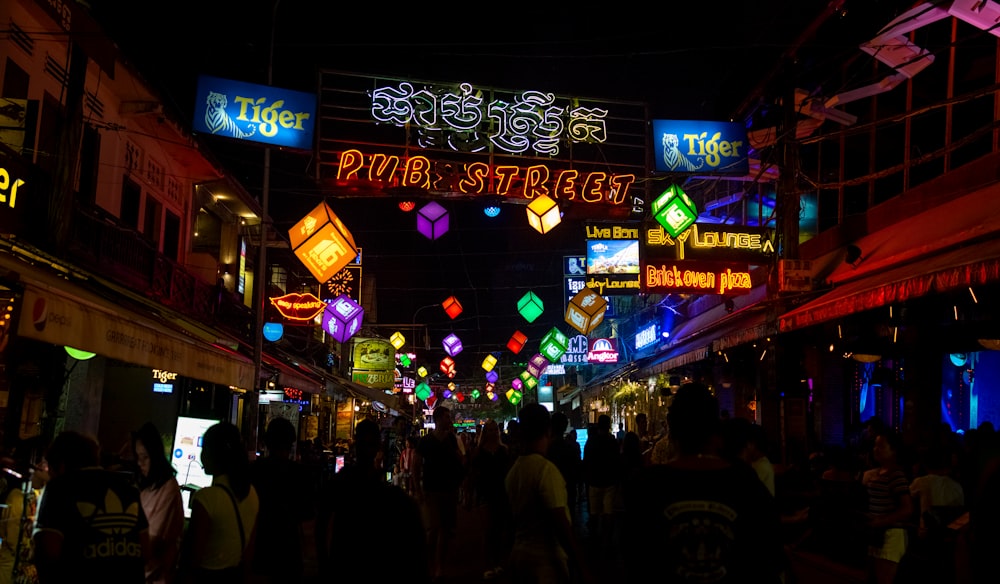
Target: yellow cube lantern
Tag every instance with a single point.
(397, 340)
(489, 362)
(586, 310)
(422, 372)
(543, 214)
(322, 243)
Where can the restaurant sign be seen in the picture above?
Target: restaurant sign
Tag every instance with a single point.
(302, 308)
(695, 277)
(706, 241)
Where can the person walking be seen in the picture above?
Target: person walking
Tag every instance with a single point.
(488, 469)
(565, 455)
(281, 529)
(545, 550)
(602, 469)
(90, 525)
(890, 508)
(700, 517)
(439, 469)
(162, 503)
(219, 545)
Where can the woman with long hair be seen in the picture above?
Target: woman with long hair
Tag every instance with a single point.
(162, 503)
(220, 539)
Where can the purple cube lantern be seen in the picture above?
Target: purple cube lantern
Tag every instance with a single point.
(537, 365)
(452, 344)
(342, 318)
(432, 220)
(492, 376)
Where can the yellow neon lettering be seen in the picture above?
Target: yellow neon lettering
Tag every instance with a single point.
(351, 161)
(534, 182)
(566, 184)
(475, 178)
(593, 187)
(382, 167)
(417, 173)
(506, 175)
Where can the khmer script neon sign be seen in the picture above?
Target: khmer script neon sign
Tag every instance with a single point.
(531, 124)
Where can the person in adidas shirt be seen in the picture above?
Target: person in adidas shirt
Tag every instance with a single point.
(90, 525)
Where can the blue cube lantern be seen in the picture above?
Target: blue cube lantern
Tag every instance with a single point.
(537, 365)
(553, 345)
(452, 344)
(432, 220)
(342, 318)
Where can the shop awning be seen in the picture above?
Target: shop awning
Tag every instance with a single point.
(370, 394)
(292, 377)
(60, 312)
(970, 265)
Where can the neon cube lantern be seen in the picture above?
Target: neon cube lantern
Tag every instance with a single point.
(431, 401)
(342, 318)
(432, 220)
(404, 360)
(516, 342)
(446, 394)
(459, 397)
(516, 384)
(553, 345)
(543, 214)
(514, 396)
(529, 381)
(586, 310)
(490, 386)
(492, 395)
(322, 243)
(674, 210)
(530, 306)
(397, 340)
(422, 391)
(422, 371)
(474, 394)
(537, 365)
(489, 362)
(452, 345)
(452, 307)
(448, 366)
(492, 377)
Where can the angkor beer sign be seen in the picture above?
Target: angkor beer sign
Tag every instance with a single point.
(381, 135)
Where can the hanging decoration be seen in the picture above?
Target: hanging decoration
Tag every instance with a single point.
(553, 345)
(342, 318)
(452, 344)
(516, 342)
(586, 310)
(543, 214)
(322, 243)
(537, 365)
(397, 340)
(452, 307)
(432, 220)
(674, 210)
(489, 362)
(530, 306)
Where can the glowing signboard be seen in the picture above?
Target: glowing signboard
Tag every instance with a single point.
(613, 258)
(480, 178)
(256, 113)
(708, 242)
(645, 336)
(700, 146)
(695, 277)
(603, 351)
(531, 123)
(301, 307)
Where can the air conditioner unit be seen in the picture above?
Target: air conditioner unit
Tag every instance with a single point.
(795, 275)
(983, 14)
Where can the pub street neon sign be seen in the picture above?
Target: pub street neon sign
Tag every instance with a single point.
(531, 124)
(480, 178)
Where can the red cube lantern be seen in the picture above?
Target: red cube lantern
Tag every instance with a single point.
(452, 307)
(517, 341)
(448, 366)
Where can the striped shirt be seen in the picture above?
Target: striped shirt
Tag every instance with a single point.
(885, 487)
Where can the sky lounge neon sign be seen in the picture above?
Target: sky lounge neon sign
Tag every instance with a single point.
(531, 124)
(480, 178)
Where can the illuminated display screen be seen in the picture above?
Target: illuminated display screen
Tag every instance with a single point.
(613, 256)
(163, 388)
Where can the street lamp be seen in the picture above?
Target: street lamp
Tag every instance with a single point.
(260, 270)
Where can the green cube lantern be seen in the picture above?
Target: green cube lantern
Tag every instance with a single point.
(674, 210)
(404, 360)
(553, 345)
(514, 396)
(474, 394)
(586, 310)
(529, 380)
(422, 391)
(530, 306)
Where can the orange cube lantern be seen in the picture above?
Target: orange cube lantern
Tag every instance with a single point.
(322, 243)
(452, 307)
(517, 341)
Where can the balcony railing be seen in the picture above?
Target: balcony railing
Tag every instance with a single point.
(121, 254)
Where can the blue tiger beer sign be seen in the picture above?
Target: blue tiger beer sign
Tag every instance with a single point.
(692, 146)
(255, 113)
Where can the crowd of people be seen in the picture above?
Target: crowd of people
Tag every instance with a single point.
(699, 501)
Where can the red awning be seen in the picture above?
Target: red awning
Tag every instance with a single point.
(971, 265)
